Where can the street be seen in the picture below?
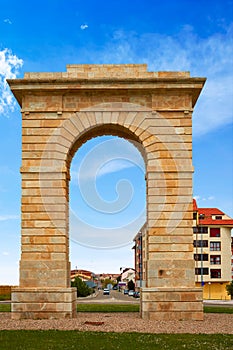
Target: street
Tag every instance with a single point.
(114, 297)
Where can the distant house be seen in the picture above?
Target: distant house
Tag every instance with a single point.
(128, 274)
(83, 274)
(111, 276)
(86, 276)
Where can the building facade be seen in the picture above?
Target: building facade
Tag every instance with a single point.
(139, 257)
(212, 252)
(83, 274)
(232, 258)
(212, 243)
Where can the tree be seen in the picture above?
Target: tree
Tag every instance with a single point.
(107, 281)
(118, 278)
(229, 288)
(131, 285)
(82, 289)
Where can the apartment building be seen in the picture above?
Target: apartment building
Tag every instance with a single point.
(212, 252)
(139, 257)
(232, 258)
(212, 243)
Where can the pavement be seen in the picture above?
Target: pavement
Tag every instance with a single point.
(218, 302)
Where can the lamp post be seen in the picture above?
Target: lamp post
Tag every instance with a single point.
(209, 283)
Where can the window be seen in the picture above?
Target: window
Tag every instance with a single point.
(202, 229)
(201, 257)
(194, 216)
(215, 232)
(202, 271)
(218, 217)
(215, 259)
(215, 246)
(200, 243)
(215, 273)
(201, 216)
(195, 229)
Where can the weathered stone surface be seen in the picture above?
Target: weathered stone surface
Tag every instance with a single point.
(172, 304)
(61, 111)
(39, 303)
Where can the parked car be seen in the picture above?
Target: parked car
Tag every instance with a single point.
(136, 295)
(131, 293)
(106, 291)
(126, 291)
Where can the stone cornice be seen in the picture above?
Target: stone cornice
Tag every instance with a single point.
(21, 87)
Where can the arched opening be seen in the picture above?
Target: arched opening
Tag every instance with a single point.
(107, 202)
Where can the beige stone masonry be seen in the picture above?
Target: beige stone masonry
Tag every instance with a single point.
(47, 303)
(60, 112)
(172, 304)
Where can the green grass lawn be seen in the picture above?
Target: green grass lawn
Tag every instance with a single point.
(66, 340)
(5, 307)
(135, 308)
(218, 309)
(108, 308)
(5, 296)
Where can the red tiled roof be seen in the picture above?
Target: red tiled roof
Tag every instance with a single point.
(210, 211)
(194, 205)
(210, 221)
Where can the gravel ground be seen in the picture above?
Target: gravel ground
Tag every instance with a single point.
(123, 322)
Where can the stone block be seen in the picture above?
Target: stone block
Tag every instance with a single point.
(39, 303)
(171, 303)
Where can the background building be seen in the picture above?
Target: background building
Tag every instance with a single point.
(232, 258)
(212, 252)
(139, 257)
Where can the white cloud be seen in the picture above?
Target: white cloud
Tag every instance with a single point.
(83, 26)
(204, 199)
(9, 68)
(105, 158)
(113, 166)
(7, 20)
(109, 167)
(209, 57)
(8, 217)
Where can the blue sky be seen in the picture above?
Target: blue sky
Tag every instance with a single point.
(167, 35)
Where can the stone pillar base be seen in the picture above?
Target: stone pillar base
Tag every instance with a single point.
(172, 304)
(43, 303)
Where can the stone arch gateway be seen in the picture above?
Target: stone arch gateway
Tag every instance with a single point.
(60, 111)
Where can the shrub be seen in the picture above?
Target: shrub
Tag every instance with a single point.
(82, 289)
(229, 288)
